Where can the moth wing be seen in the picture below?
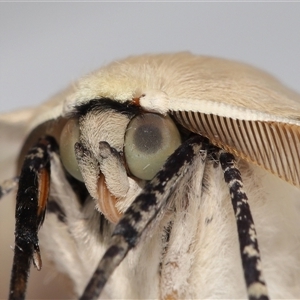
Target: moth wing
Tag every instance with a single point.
(12, 135)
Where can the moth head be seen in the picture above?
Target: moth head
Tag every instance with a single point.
(114, 148)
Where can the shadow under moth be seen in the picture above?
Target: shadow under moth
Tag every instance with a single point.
(170, 176)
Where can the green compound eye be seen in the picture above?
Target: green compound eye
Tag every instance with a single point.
(68, 137)
(150, 139)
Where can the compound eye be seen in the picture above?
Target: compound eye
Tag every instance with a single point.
(149, 140)
(68, 137)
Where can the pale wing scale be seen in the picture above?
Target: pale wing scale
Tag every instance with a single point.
(271, 145)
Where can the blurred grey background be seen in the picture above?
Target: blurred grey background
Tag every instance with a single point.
(45, 46)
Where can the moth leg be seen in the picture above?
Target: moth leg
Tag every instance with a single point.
(145, 211)
(8, 185)
(32, 196)
(256, 286)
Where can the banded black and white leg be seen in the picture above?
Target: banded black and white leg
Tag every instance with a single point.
(256, 286)
(32, 196)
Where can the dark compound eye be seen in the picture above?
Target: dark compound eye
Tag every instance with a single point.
(150, 139)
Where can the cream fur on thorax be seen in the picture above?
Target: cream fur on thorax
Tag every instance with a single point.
(190, 78)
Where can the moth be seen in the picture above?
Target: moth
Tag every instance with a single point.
(171, 176)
